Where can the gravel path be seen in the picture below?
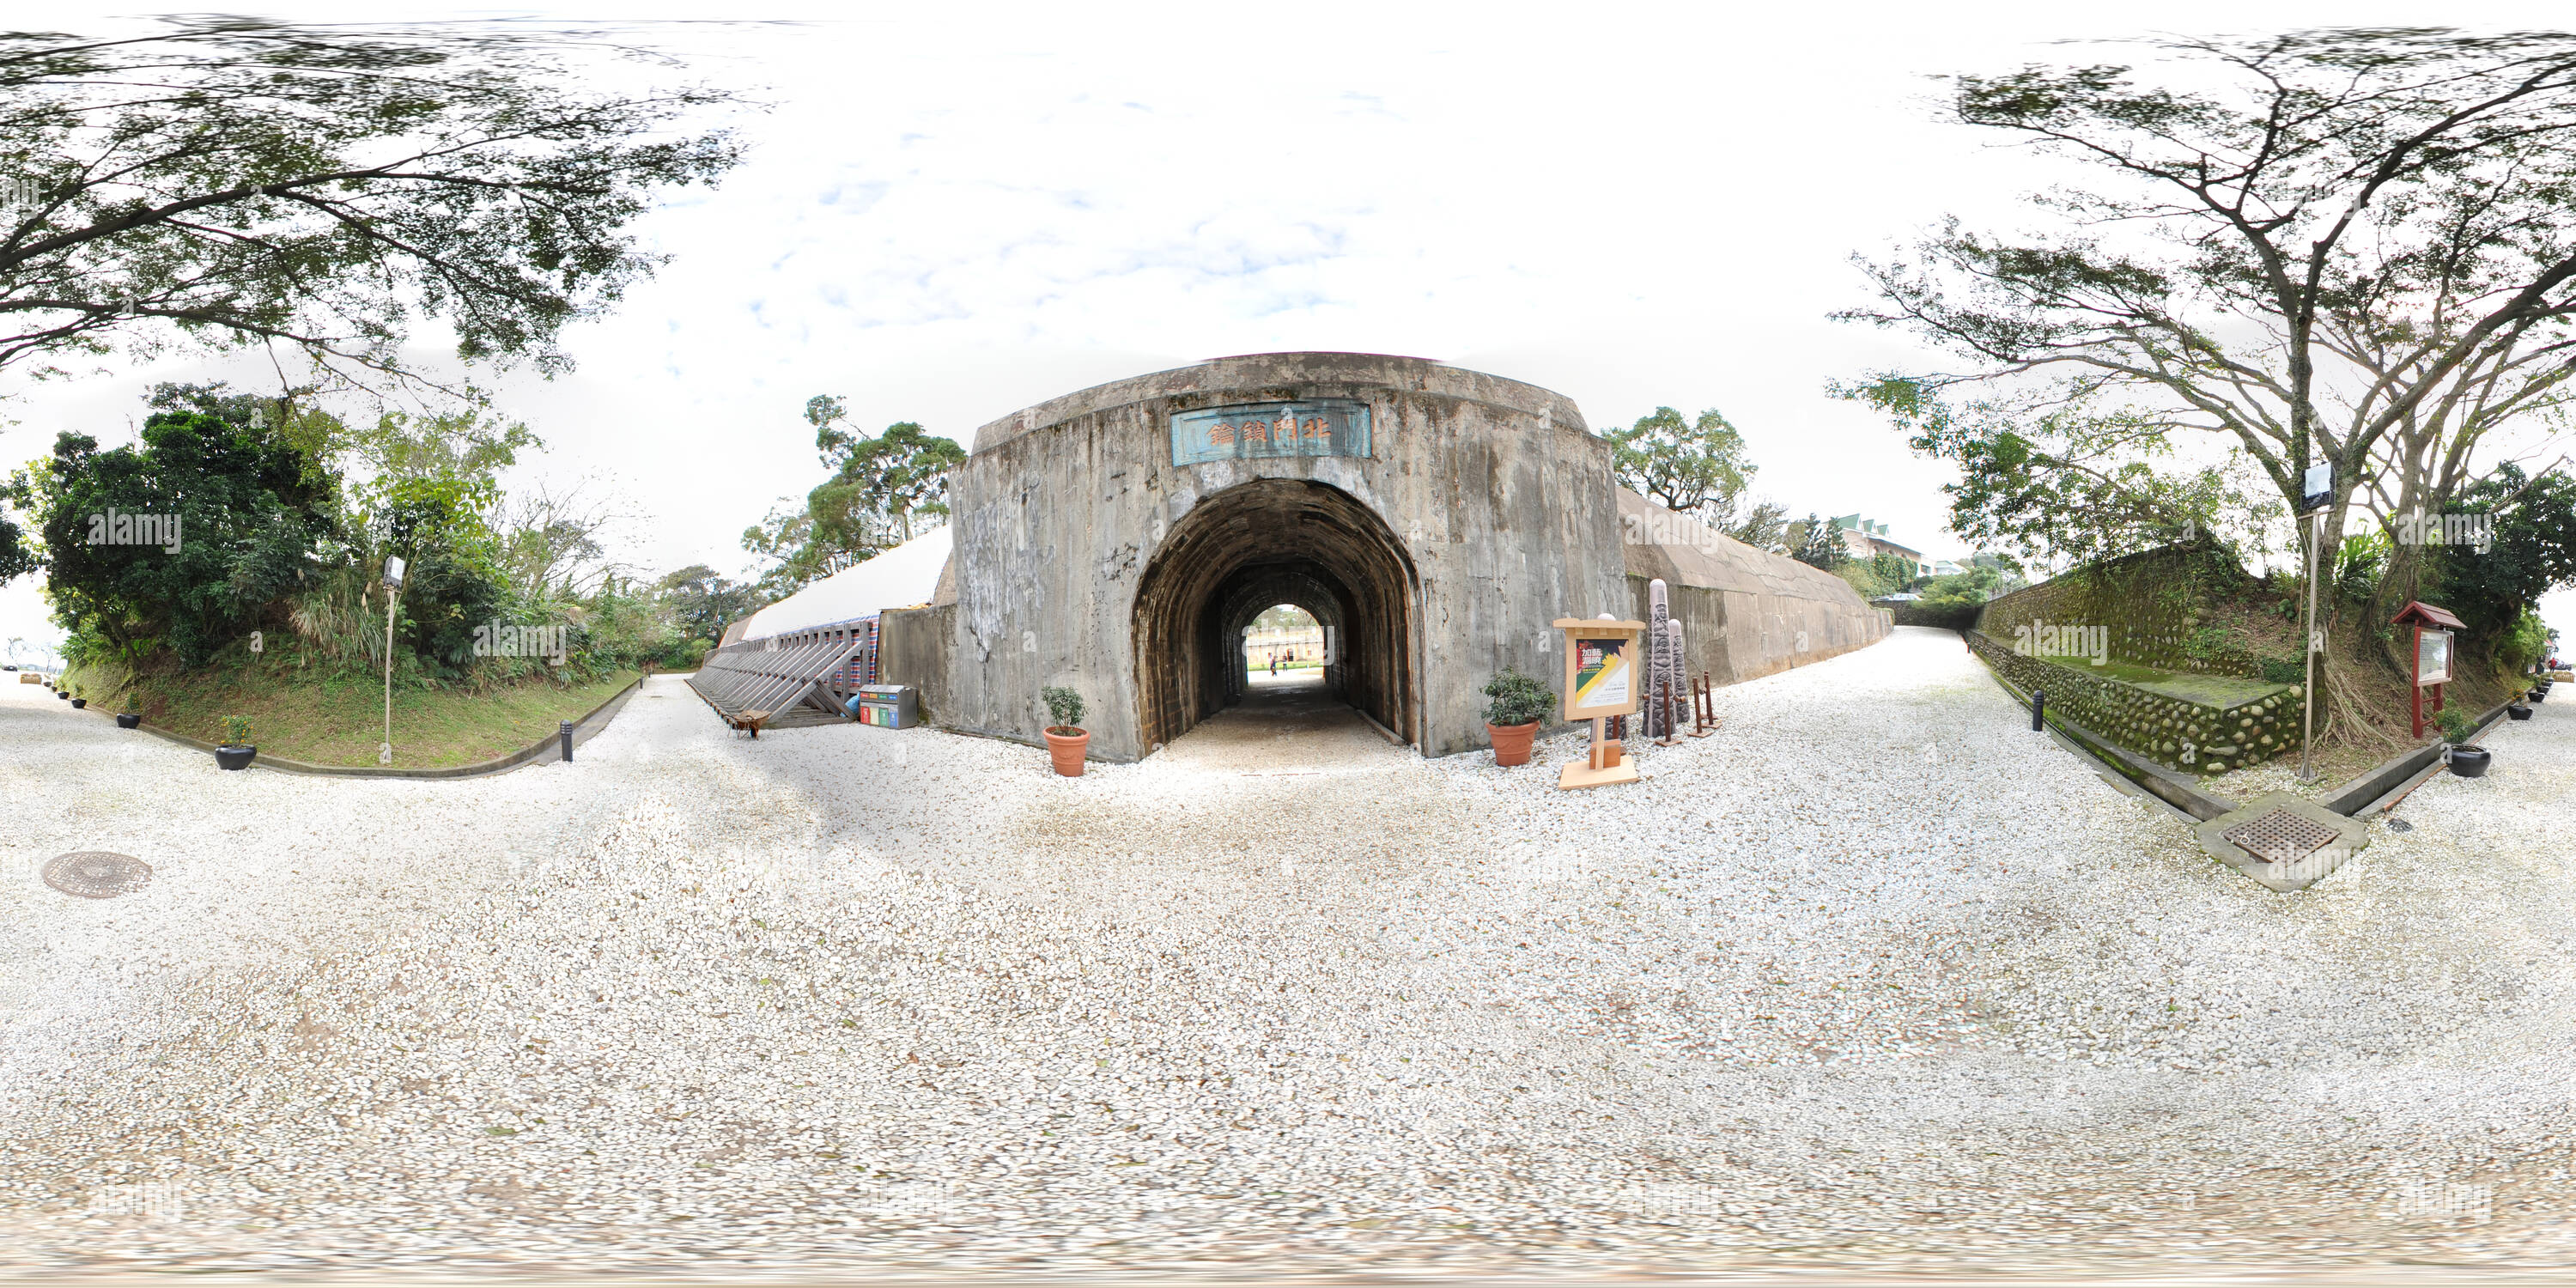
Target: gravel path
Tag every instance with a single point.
(1876, 977)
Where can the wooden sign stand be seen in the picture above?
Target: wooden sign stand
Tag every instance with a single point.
(2434, 626)
(1600, 682)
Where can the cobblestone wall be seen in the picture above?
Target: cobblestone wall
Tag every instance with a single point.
(2190, 736)
(2147, 601)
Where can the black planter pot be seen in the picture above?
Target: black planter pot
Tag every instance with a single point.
(60, 696)
(2517, 712)
(2471, 762)
(78, 703)
(127, 719)
(239, 757)
(2538, 695)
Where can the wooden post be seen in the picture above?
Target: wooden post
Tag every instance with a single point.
(1703, 707)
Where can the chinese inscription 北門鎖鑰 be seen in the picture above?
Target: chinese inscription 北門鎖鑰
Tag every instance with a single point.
(1322, 427)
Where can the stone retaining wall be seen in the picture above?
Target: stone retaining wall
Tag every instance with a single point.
(2148, 602)
(2190, 736)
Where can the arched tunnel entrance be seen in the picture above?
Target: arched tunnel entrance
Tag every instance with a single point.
(1254, 545)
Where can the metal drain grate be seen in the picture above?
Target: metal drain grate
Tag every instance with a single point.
(2280, 836)
(96, 874)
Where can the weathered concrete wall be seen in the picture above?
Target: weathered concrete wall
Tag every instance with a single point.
(1501, 502)
(1745, 613)
(913, 648)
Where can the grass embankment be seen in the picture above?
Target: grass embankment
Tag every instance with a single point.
(2368, 679)
(338, 719)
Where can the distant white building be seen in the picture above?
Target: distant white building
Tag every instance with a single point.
(1866, 540)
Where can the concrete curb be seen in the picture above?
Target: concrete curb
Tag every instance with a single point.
(2166, 785)
(2363, 794)
(2359, 796)
(550, 747)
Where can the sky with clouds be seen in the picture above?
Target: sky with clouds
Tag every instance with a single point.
(945, 219)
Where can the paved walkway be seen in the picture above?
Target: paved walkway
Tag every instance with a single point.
(1285, 725)
(1876, 977)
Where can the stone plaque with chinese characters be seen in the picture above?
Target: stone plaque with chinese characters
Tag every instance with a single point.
(1320, 427)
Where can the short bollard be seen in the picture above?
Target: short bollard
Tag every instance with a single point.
(2038, 709)
(567, 741)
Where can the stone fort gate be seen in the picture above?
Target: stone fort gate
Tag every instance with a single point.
(1433, 519)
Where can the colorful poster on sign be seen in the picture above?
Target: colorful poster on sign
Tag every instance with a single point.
(1321, 427)
(1601, 674)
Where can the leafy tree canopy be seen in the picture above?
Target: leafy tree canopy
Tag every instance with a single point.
(2057, 478)
(324, 187)
(2533, 550)
(234, 509)
(2344, 245)
(1681, 465)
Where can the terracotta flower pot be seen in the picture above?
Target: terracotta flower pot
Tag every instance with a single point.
(1512, 742)
(1067, 750)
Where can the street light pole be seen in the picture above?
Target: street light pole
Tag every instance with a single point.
(393, 593)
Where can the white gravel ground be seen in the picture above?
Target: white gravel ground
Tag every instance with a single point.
(1876, 977)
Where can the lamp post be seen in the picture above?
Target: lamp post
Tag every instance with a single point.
(393, 592)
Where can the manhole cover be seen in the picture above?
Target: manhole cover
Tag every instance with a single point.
(96, 874)
(2280, 836)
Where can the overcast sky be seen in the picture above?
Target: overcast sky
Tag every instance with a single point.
(947, 220)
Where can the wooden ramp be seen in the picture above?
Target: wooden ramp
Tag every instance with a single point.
(783, 681)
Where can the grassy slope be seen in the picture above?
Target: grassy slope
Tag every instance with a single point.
(339, 720)
(2255, 622)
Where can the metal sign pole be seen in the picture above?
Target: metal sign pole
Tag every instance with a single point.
(2308, 706)
(393, 594)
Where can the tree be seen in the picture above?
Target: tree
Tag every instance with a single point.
(2349, 250)
(233, 522)
(2530, 550)
(321, 187)
(1681, 465)
(1817, 544)
(2063, 482)
(897, 476)
(704, 603)
(1764, 525)
(550, 544)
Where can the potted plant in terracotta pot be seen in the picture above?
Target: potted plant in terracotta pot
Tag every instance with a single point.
(1519, 703)
(1067, 741)
(2466, 761)
(236, 752)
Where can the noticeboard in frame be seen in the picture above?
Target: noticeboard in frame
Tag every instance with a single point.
(1600, 667)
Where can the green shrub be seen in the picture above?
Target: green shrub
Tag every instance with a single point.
(2284, 671)
(1064, 705)
(2522, 646)
(2456, 725)
(1517, 699)
(237, 731)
